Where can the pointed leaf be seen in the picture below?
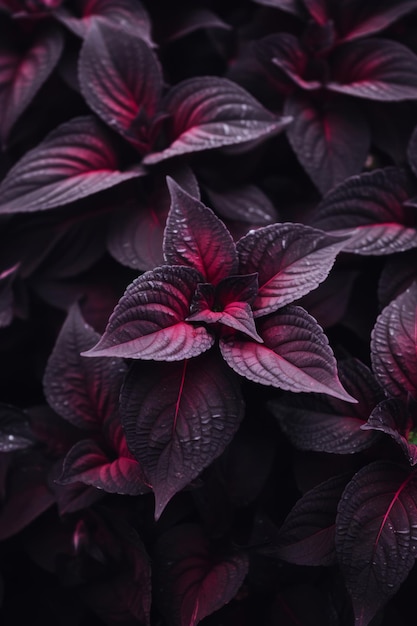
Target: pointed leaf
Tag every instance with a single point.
(370, 209)
(394, 418)
(15, 432)
(291, 260)
(121, 80)
(285, 52)
(246, 203)
(329, 136)
(74, 161)
(375, 69)
(194, 582)
(210, 112)
(87, 463)
(196, 238)
(376, 539)
(22, 74)
(149, 320)
(326, 424)
(177, 430)
(295, 355)
(393, 345)
(83, 392)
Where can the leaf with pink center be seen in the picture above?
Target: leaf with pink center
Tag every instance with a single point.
(23, 72)
(195, 579)
(86, 462)
(329, 135)
(129, 16)
(196, 238)
(326, 424)
(393, 345)
(374, 69)
(370, 210)
(75, 160)
(210, 112)
(376, 539)
(149, 320)
(179, 417)
(121, 80)
(295, 355)
(291, 260)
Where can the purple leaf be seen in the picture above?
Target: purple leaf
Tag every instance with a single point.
(83, 392)
(393, 345)
(149, 320)
(74, 161)
(22, 73)
(188, 19)
(129, 16)
(196, 238)
(246, 203)
(326, 424)
(15, 432)
(121, 80)
(370, 209)
(375, 69)
(291, 260)
(307, 536)
(412, 151)
(290, 6)
(329, 136)
(87, 463)
(286, 52)
(179, 417)
(210, 112)
(295, 355)
(376, 538)
(194, 581)
(7, 278)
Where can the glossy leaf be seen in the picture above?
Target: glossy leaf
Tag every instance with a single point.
(246, 203)
(295, 355)
(179, 417)
(376, 538)
(15, 432)
(210, 112)
(393, 345)
(74, 161)
(291, 260)
(149, 320)
(330, 138)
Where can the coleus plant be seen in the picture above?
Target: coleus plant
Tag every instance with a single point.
(211, 288)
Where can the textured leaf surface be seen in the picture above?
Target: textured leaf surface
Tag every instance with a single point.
(210, 112)
(393, 345)
(247, 203)
(74, 161)
(178, 417)
(370, 209)
(329, 136)
(375, 69)
(149, 320)
(196, 238)
(291, 260)
(194, 581)
(295, 355)
(121, 81)
(376, 537)
(394, 418)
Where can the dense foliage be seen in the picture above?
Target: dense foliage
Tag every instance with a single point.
(208, 312)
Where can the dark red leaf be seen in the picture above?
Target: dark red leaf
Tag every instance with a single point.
(329, 136)
(149, 320)
(370, 209)
(393, 345)
(328, 424)
(210, 112)
(375, 69)
(15, 432)
(394, 418)
(376, 537)
(129, 16)
(286, 52)
(291, 260)
(22, 74)
(295, 355)
(307, 536)
(179, 417)
(196, 238)
(194, 581)
(121, 80)
(87, 463)
(74, 161)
